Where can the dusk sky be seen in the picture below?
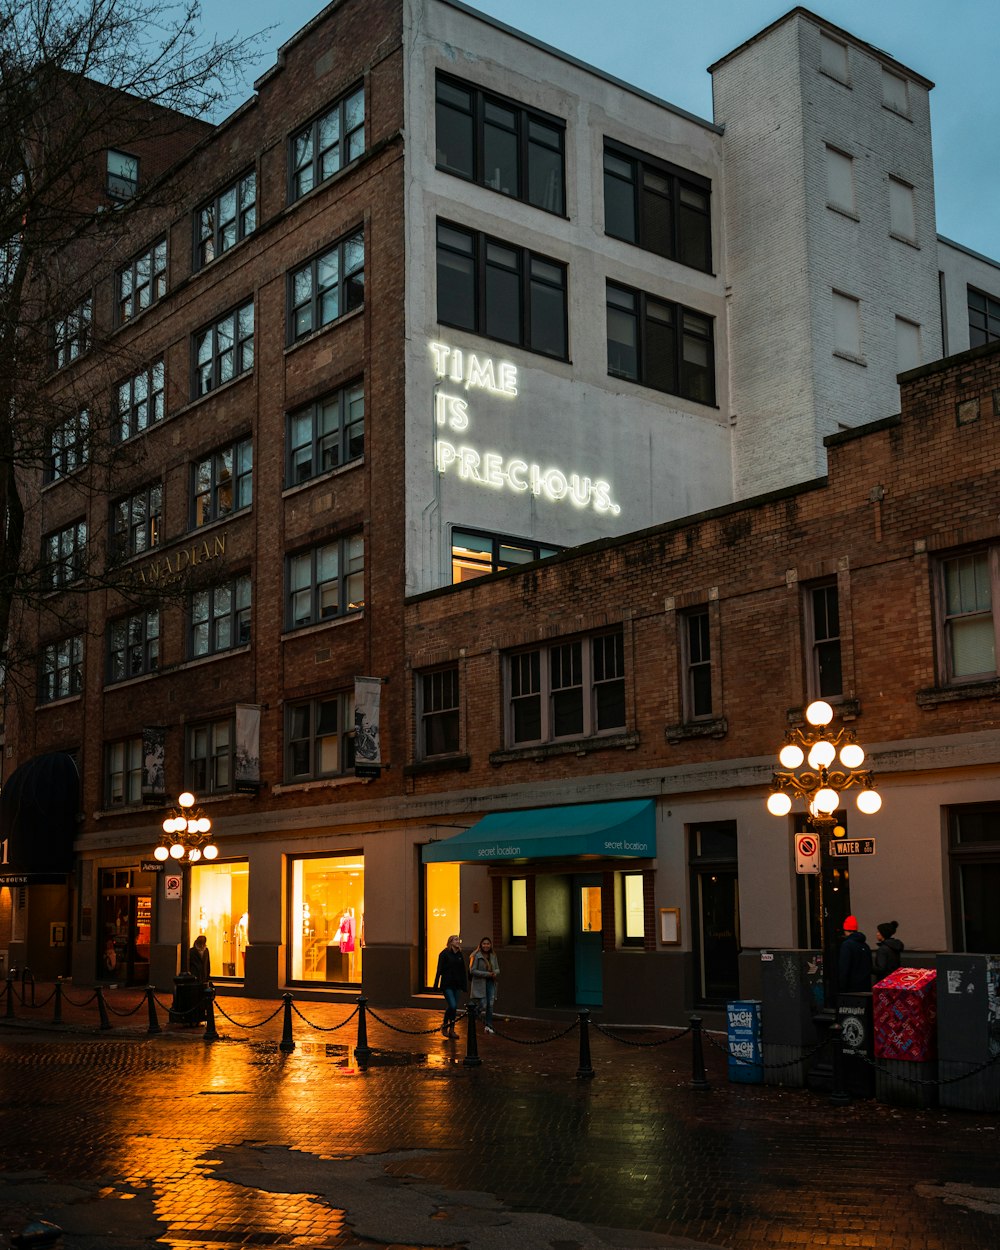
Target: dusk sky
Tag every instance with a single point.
(665, 46)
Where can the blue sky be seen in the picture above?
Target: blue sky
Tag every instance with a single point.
(665, 46)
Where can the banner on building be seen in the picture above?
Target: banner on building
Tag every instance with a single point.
(247, 775)
(367, 727)
(154, 751)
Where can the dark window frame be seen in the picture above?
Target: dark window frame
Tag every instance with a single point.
(63, 554)
(311, 134)
(60, 669)
(212, 237)
(119, 185)
(439, 728)
(207, 374)
(824, 639)
(147, 273)
(498, 542)
(317, 729)
(986, 308)
(217, 617)
(69, 447)
(237, 480)
(135, 652)
(349, 283)
(549, 674)
(207, 773)
(140, 411)
(130, 772)
(308, 457)
(696, 650)
(347, 548)
(71, 334)
(975, 854)
(944, 619)
(132, 515)
(675, 321)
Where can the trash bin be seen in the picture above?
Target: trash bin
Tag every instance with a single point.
(188, 1006)
(858, 1037)
(905, 1014)
(743, 1032)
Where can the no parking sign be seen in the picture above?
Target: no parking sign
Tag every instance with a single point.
(171, 886)
(806, 853)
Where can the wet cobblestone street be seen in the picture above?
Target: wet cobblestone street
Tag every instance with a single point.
(128, 1140)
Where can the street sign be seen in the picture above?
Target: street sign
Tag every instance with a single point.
(806, 853)
(172, 887)
(853, 846)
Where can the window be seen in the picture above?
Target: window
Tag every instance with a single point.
(697, 651)
(895, 92)
(326, 581)
(840, 180)
(208, 757)
(824, 622)
(518, 910)
(498, 144)
(661, 345)
(63, 553)
(475, 553)
(833, 57)
(633, 909)
(69, 447)
(329, 287)
(72, 333)
(503, 292)
(142, 282)
(123, 772)
(326, 919)
(908, 353)
(326, 434)
(902, 210)
(220, 617)
(219, 906)
(657, 206)
(327, 144)
(568, 690)
(123, 174)
(225, 350)
(984, 318)
(319, 738)
(61, 670)
(846, 326)
(437, 710)
(134, 645)
(222, 483)
(135, 522)
(226, 219)
(975, 878)
(968, 620)
(139, 402)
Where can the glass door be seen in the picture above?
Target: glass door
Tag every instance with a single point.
(587, 943)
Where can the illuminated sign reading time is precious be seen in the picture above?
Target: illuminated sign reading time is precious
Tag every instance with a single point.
(470, 372)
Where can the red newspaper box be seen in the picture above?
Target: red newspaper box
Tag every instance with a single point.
(904, 1007)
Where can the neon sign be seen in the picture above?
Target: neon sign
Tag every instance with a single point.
(491, 468)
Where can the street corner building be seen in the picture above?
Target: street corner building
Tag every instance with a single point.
(504, 459)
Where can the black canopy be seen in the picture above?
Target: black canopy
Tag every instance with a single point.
(39, 807)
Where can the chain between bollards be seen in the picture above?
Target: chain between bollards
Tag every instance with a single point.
(102, 1008)
(698, 1078)
(210, 1033)
(585, 1071)
(471, 1059)
(154, 1024)
(287, 1043)
(362, 1050)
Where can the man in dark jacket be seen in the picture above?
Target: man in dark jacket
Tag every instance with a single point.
(854, 965)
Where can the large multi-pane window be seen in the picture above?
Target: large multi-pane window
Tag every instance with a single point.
(226, 219)
(328, 287)
(69, 446)
(568, 690)
(974, 855)
(326, 434)
(499, 144)
(319, 738)
(326, 581)
(660, 344)
(123, 772)
(60, 671)
(437, 711)
(224, 350)
(327, 918)
(657, 206)
(142, 282)
(123, 174)
(64, 554)
(984, 318)
(327, 144)
(71, 333)
(208, 757)
(968, 624)
(502, 291)
(133, 645)
(139, 402)
(219, 907)
(697, 646)
(136, 520)
(220, 617)
(825, 678)
(222, 483)
(475, 553)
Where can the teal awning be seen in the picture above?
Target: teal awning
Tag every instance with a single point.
(608, 830)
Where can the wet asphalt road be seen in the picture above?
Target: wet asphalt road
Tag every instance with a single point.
(126, 1140)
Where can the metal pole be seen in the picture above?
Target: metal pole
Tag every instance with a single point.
(57, 1013)
(154, 1024)
(585, 1072)
(471, 1059)
(838, 1095)
(287, 1044)
(362, 1050)
(102, 1008)
(210, 1034)
(698, 1078)
(9, 1015)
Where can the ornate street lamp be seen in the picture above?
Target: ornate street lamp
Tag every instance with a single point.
(187, 833)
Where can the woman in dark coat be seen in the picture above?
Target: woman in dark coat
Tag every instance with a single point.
(453, 977)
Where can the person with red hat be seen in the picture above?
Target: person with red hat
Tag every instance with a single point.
(854, 964)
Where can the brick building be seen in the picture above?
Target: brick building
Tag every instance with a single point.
(332, 465)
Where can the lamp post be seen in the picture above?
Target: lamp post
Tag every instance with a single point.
(818, 764)
(187, 833)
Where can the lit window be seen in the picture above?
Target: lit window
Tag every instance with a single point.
(326, 919)
(474, 553)
(222, 483)
(319, 738)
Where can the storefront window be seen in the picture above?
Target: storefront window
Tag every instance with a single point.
(219, 909)
(634, 916)
(519, 910)
(328, 918)
(126, 913)
(441, 885)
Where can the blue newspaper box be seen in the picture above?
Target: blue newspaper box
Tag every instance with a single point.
(743, 1033)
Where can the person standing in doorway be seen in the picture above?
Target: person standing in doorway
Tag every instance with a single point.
(889, 951)
(484, 968)
(453, 977)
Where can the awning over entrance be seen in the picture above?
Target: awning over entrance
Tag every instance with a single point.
(39, 813)
(607, 830)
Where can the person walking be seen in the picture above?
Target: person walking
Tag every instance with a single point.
(854, 963)
(453, 977)
(200, 967)
(889, 951)
(484, 968)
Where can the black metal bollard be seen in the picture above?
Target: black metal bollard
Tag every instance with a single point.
(838, 1095)
(210, 1034)
(57, 1010)
(471, 1059)
(154, 1024)
(286, 1043)
(585, 1072)
(362, 1050)
(698, 1078)
(9, 1014)
(27, 978)
(102, 1008)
